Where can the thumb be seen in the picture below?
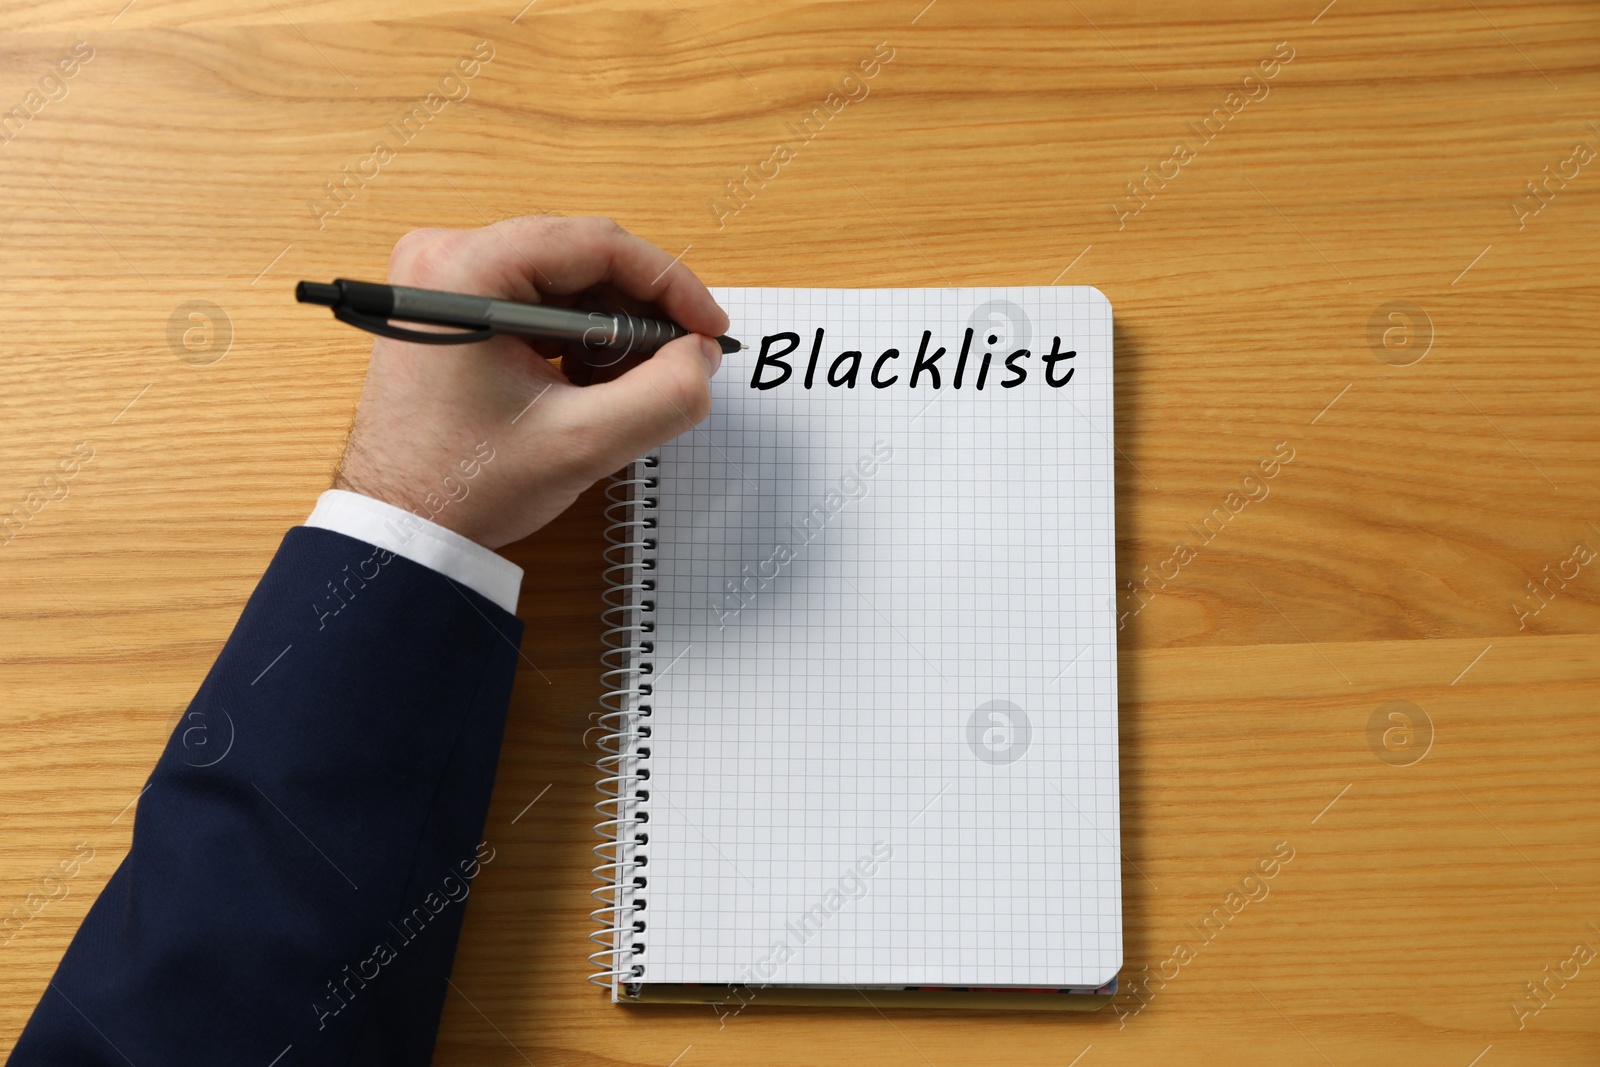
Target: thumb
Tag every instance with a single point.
(666, 395)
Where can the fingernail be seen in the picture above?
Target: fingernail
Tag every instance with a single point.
(713, 353)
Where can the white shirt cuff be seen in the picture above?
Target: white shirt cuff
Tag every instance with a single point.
(415, 538)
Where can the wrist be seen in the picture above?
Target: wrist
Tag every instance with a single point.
(437, 500)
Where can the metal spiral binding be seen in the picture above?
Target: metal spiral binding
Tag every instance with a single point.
(624, 722)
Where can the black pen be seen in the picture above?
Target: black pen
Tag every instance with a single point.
(370, 306)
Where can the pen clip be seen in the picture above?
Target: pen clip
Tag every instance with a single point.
(381, 327)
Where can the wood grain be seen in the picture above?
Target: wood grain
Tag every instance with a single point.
(1379, 164)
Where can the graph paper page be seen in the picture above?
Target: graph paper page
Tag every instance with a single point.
(884, 734)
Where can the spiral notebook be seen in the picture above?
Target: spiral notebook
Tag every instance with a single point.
(861, 662)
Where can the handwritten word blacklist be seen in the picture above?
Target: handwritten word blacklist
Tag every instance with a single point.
(965, 370)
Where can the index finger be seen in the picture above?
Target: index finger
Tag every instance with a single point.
(568, 256)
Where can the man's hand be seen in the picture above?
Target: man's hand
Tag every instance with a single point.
(429, 415)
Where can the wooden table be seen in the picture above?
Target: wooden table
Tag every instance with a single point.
(1342, 261)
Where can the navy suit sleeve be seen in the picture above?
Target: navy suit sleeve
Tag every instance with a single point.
(305, 847)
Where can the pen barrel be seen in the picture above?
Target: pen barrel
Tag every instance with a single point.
(437, 308)
(614, 332)
(634, 334)
(617, 333)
